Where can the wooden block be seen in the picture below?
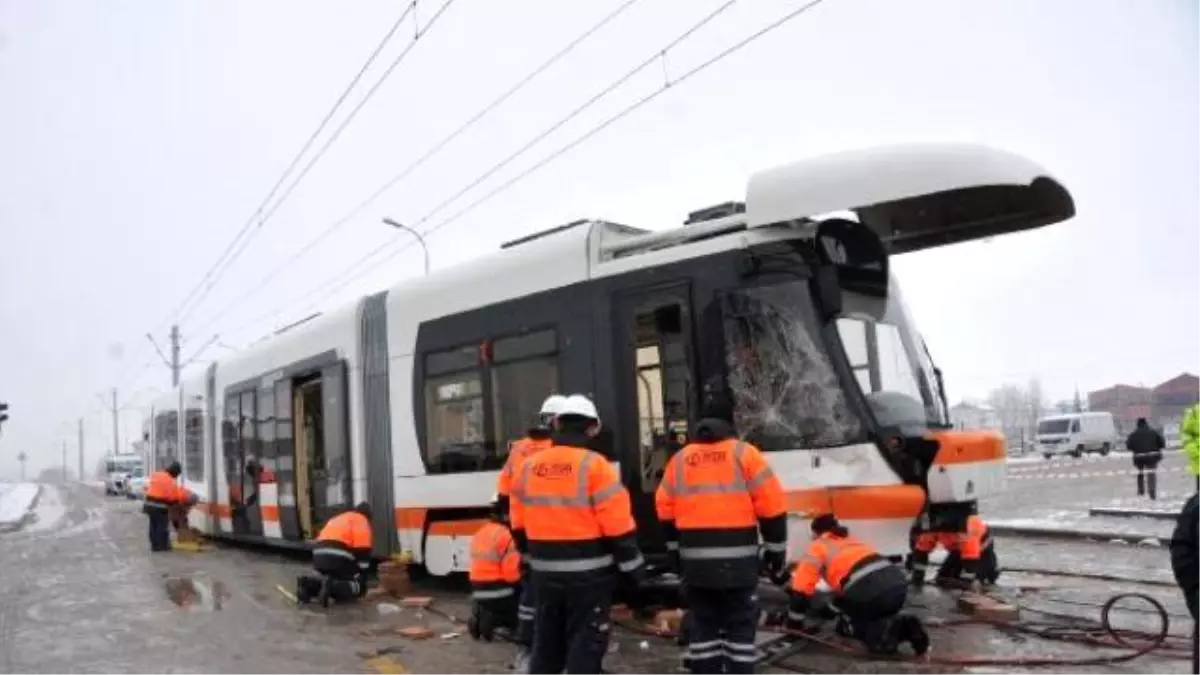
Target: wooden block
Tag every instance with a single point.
(620, 613)
(415, 632)
(987, 608)
(668, 621)
(421, 602)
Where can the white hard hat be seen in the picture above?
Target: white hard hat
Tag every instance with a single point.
(578, 404)
(553, 404)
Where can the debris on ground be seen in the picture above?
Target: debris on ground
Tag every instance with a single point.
(420, 602)
(620, 612)
(415, 632)
(385, 608)
(393, 578)
(987, 608)
(450, 636)
(668, 621)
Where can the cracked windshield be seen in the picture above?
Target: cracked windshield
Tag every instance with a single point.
(449, 336)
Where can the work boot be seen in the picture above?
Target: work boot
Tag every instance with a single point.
(302, 596)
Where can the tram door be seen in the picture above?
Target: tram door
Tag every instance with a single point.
(655, 392)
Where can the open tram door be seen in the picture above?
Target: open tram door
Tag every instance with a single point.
(654, 366)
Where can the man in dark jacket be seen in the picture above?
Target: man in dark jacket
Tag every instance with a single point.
(1185, 562)
(1147, 445)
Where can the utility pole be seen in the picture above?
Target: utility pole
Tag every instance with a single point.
(175, 355)
(80, 448)
(116, 425)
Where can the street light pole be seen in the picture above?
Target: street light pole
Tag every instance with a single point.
(420, 239)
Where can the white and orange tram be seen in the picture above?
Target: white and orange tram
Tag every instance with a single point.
(409, 398)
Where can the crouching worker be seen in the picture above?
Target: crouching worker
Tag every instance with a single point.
(868, 590)
(342, 557)
(971, 552)
(495, 577)
(164, 498)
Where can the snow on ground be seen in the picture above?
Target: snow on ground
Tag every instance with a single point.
(48, 512)
(16, 499)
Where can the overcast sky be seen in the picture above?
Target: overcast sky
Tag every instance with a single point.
(137, 137)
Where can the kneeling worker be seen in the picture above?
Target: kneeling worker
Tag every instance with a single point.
(342, 556)
(869, 591)
(971, 552)
(495, 577)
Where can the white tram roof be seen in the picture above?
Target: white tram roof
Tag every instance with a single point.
(915, 196)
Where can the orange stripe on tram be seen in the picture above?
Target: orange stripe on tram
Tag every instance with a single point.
(872, 502)
(967, 447)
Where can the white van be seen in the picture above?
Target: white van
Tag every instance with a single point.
(1076, 433)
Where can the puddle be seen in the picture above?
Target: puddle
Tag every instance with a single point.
(187, 593)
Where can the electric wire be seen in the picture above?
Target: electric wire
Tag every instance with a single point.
(429, 154)
(359, 267)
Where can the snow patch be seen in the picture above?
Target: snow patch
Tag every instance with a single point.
(16, 499)
(49, 511)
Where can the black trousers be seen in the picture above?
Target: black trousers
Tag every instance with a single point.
(160, 529)
(571, 627)
(1147, 481)
(722, 623)
(495, 613)
(875, 616)
(526, 613)
(345, 579)
(987, 570)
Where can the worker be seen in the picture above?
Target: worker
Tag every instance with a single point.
(868, 590)
(1189, 433)
(342, 558)
(716, 496)
(495, 576)
(573, 523)
(1185, 563)
(163, 494)
(538, 438)
(972, 552)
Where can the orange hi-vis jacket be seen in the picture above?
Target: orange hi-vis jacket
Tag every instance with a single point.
(495, 562)
(571, 516)
(842, 562)
(970, 544)
(162, 491)
(346, 535)
(518, 452)
(713, 501)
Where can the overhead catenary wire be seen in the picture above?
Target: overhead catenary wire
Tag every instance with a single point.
(429, 154)
(208, 281)
(360, 268)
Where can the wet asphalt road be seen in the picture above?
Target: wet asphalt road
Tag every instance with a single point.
(84, 594)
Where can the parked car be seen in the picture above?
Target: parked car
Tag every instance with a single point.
(135, 488)
(1076, 433)
(115, 483)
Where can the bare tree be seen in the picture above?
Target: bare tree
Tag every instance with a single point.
(1008, 401)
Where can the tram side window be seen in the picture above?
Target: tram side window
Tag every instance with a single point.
(524, 373)
(166, 438)
(193, 456)
(455, 429)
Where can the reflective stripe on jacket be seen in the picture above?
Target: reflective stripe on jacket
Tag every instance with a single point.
(713, 500)
(162, 491)
(572, 513)
(841, 561)
(495, 562)
(346, 535)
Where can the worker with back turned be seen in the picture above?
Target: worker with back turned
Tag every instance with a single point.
(573, 522)
(342, 558)
(716, 496)
(495, 577)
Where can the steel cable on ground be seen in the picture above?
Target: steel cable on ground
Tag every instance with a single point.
(249, 224)
(558, 153)
(433, 151)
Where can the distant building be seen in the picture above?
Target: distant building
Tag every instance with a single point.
(1126, 403)
(973, 416)
(1172, 398)
(1162, 405)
